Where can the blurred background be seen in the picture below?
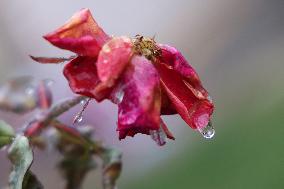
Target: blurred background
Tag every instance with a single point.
(237, 47)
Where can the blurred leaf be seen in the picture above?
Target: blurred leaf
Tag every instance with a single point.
(21, 156)
(24, 94)
(112, 168)
(31, 182)
(6, 134)
(77, 158)
(74, 169)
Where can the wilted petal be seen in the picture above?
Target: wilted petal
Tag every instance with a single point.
(175, 60)
(166, 130)
(83, 79)
(81, 34)
(167, 107)
(51, 60)
(139, 111)
(43, 95)
(160, 135)
(195, 111)
(113, 59)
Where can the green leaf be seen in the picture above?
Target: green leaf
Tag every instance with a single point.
(6, 134)
(21, 156)
(31, 182)
(77, 158)
(112, 167)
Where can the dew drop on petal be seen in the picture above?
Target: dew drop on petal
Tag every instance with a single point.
(208, 132)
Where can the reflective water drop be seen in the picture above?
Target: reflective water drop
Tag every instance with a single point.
(30, 91)
(48, 82)
(83, 102)
(119, 96)
(78, 119)
(208, 132)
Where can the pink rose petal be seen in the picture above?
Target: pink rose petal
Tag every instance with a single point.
(139, 110)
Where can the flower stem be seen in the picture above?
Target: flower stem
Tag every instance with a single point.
(36, 124)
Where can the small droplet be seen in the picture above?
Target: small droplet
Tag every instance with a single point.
(119, 96)
(82, 102)
(78, 119)
(30, 91)
(48, 82)
(208, 132)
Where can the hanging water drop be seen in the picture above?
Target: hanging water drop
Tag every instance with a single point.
(82, 102)
(78, 119)
(208, 132)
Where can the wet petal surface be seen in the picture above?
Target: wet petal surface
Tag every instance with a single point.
(139, 110)
(196, 112)
(83, 79)
(113, 58)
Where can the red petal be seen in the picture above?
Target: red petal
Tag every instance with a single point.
(166, 130)
(195, 111)
(174, 59)
(83, 79)
(44, 95)
(139, 110)
(167, 107)
(81, 34)
(51, 60)
(113, 59)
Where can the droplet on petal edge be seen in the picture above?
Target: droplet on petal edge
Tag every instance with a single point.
(207, 132)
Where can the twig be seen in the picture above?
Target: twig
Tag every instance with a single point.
(37, 124)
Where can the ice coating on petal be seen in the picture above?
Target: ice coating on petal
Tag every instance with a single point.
(83, 79)
(81, 34)
(139, 110)
(195, 111)
(113, 58)
(175, 60)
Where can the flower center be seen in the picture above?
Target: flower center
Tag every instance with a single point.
(146, 47)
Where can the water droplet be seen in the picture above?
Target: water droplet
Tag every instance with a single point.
(30, 91)
(208, 132)
(48, 82)
(119, 96)
(78, 119)
(83, 102)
